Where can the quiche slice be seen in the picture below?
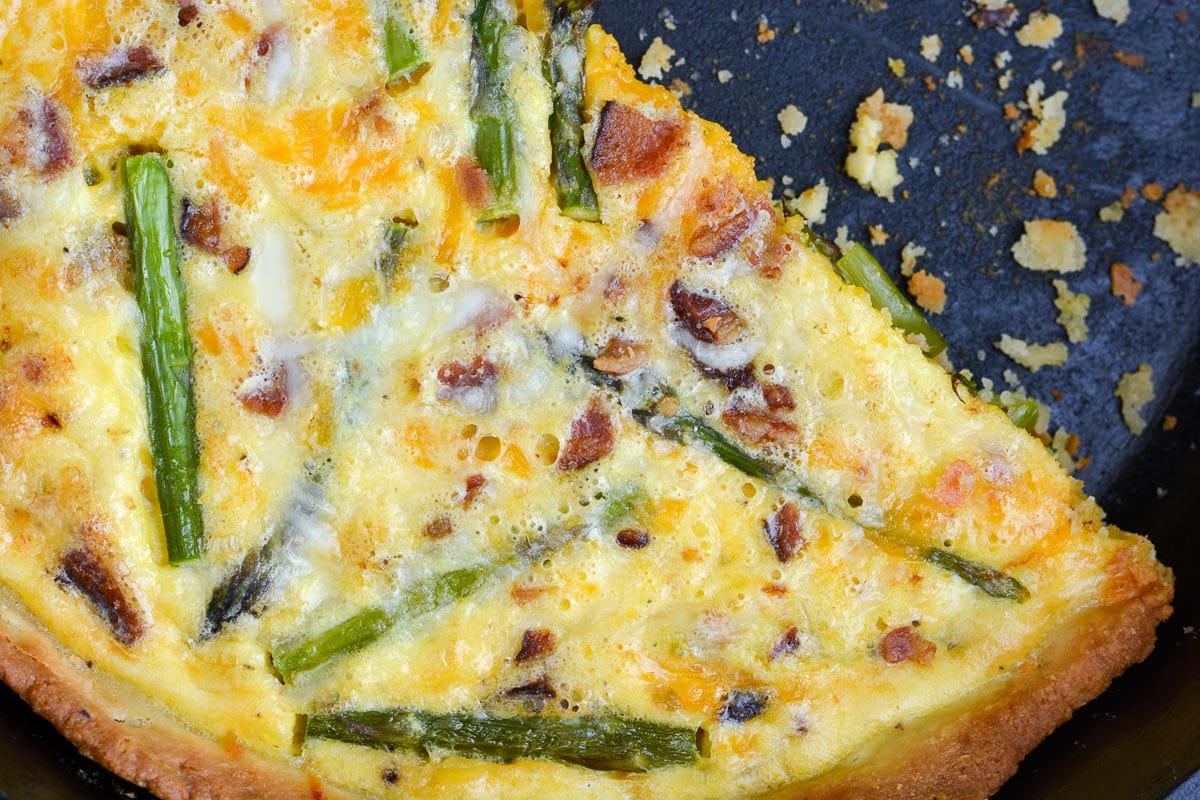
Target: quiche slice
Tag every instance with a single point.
(402, 400)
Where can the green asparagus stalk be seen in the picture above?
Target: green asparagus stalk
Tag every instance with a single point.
(366, 626)
(694, 432)
(395, 234)
(402, 52)
(860, 268)
(600, 742)
(991, 581)
(563, 64)
(492, 110)
(166, 354)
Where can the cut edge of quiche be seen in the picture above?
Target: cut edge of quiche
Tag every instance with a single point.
(817, 528)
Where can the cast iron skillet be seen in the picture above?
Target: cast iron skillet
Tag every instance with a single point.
(967, 195)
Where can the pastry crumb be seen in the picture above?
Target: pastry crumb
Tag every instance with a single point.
(931, 47)
(954, 79)
(967, 54)
(1124, 285)
(928, 290)
(842, 238)
(724, 76)
(765, 32)
(1050, 245)
(792, 121)
(877, 235)
(657, 60)
(896, 65)
(1153, 191)
(1136, 391)
(810, 203)
(1178, 224)
(1042, 30)
(1170, 422)
(1073, 308)
(908, 257)
(680, 88)
(1113, 212)
(1032, 356)
(1049, 118)
(1113, 10)
(1044, 185)
(878, 123)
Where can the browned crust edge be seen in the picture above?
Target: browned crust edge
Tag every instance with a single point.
(960, 756)
(969, 756)
(115, 727)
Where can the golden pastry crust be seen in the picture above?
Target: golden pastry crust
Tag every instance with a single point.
(968, 756)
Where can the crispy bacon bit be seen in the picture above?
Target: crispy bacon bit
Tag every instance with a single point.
(536, 643)
(472, 385)
(236, 258)
(742, 706)
(266, 391)
(475, 484)
(472, 181)
(632, 147)
(621, 357)
(742, 377)
(633, 538)
(591, 438)
(120, 66)
(87, 572)
(778, 396)
(905, 644)
(783, 532)
(707, 318)
(723, 217)
(523, 595)
(538, 688)
(438, 528)
(40, 138)
(954, 486)
(787, 644)
(759, 425)
(187, 13)
(1001, 17)
(10, 206)
(200, 226)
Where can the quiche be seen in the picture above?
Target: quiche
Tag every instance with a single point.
(403, 400)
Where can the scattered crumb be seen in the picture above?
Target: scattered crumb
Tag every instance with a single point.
(1195, 99)
(1041, 30)
(1124, 285)
(1073, 308)
(1002, 59)
(1170, 422)
(967, 54)
(908, 257)
(1113, 212)
(1032, 356)
(877, 235)
(1131, 60)
(896, 65)
(1153, 192)
(954, 79)
(724, 75)
(1005, 80)
(657, 60)
(928, 290)
(931, 47)
(1050, 117)
(1050, 245)
(765, 32)
(1115, 10)
(1136, 390)
(1178, 224)
(878, 123)
(842, 238)
(1044, 185)
(680, 88)
(810, 203)
(792, 120)
(1127, 197)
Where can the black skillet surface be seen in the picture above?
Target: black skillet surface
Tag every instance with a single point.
(967, 195)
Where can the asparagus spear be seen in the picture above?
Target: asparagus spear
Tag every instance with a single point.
(492, 110)
(563, 64)
(402, 52)
(990, 580)
(600, 742)
(859, 267)
(395, 234)
(166, 354)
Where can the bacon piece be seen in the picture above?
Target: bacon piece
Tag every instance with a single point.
(472, 385)
(536, 643)
(10, 207)
(236, 258)
(707, 318)
(438, 528)
(266, 392)
(540, 688)
(475, 484)
(632, 147)
(591, 439)
(905, 644)
(201, 226)
(633, 538)
(723, 219)
(760, 425)
(621, 357)
(87, 572)
(472, 181)
(742, 377)
(119, 66)
(42, 142)
(742, 706)
(783, 532)
(778, 396)
(187, 13)
(787, 644)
